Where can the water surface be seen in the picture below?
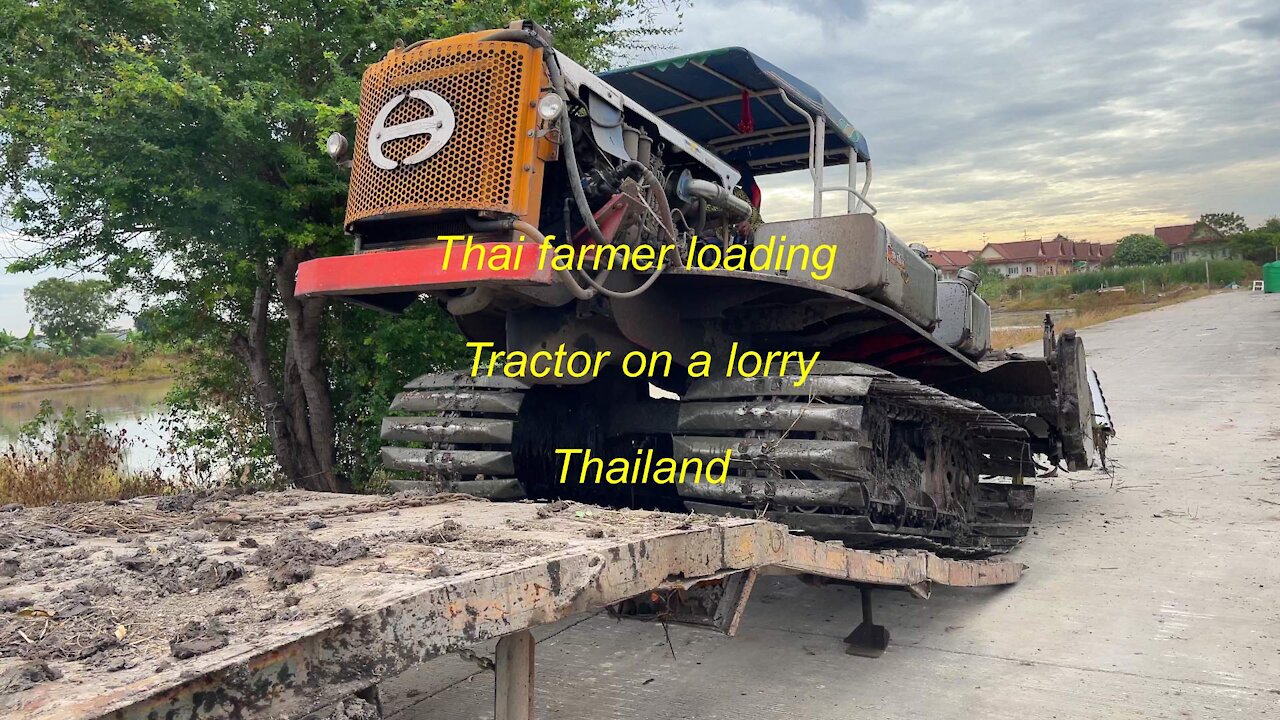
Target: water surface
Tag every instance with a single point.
(133, 407)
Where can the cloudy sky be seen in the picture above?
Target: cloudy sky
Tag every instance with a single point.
(988, 120)
(991, 120)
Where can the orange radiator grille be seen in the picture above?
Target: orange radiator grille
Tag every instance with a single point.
(489, 159)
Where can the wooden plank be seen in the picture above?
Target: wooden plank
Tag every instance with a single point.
(513, 686)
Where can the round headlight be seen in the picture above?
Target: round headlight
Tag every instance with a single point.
(550, 106)
(336, 146)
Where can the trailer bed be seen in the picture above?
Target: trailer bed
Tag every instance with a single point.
(282, 604)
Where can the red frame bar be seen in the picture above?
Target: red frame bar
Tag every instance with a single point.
(418, 269)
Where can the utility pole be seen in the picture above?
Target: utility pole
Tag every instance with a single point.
(1207, 286)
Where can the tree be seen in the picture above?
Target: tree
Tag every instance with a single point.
(1140, 249)
(982, 270)
(1226, 223)
(1261, 245)
(70, 312)
(176, 146)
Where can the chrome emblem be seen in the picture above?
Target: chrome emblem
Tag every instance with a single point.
(439, 125)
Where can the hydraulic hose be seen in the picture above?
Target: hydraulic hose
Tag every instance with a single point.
(575, 182)
(531, 232)
(471, 302)
(570, 155)
(567, 279)
(565, 276)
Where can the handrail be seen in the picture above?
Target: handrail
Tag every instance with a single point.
(861, 198)
(817, 164)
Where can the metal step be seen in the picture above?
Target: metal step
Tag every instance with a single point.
(779, 386)
(464, 380)
(750, 490)
(462, 400)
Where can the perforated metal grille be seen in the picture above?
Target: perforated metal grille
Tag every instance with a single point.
(485, 84)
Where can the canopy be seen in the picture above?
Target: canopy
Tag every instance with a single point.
(701, 95)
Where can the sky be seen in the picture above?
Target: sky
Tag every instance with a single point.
(994, 121)
(991, 121)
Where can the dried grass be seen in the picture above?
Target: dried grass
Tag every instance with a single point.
(69, 457)
(1094, 310)
(30, 369)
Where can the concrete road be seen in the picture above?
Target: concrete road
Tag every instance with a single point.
(1152, 594)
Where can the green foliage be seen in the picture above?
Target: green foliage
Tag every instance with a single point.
(1156, 277)
(984, 271)
(8, 342)
(1228, 223)
(104, 344)
(70, 312)
(1261, 245)
(1140, 249)
(374, 356)
(176, 146)
(214, 428)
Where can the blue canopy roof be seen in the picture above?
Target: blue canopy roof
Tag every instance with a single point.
(701, 96)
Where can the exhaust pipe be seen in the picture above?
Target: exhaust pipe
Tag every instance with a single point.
(687, 188)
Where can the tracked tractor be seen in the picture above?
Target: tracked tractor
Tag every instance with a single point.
(908, 431)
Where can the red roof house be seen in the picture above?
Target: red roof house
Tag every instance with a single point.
(1195, 241)
(1044, 257)
(949, 262)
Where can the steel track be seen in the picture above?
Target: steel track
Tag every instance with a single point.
(840, 457)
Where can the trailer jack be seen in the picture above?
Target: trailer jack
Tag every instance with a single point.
(868, 639)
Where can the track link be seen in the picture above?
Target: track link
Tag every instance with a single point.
(858, 455)
(854, 454)
(456, 433)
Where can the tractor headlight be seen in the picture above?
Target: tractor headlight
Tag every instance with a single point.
(336, 146)
(550, 106)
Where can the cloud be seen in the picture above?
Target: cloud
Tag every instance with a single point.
(995, 119)
(828, 10)
(1267, 25)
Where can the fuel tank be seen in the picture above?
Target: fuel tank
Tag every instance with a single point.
(869, 260)
(964, 318)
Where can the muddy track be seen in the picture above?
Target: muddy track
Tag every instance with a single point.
(855, 454)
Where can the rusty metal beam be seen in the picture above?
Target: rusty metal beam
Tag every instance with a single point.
(300, 667)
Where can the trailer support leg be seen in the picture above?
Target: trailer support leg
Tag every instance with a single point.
(868, 639)
(513, 686)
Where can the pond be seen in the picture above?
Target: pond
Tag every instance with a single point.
(132, 407)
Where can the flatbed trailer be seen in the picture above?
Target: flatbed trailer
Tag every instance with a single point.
(279, 605)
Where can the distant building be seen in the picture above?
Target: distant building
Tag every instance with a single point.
(949, 262)
(1058, 256)
(1195, 241)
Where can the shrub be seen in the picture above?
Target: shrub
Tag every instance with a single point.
(104, 344)
(1157, 278)
(71, 457)
(1140, 249)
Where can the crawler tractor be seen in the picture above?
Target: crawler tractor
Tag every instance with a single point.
(909, 432)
